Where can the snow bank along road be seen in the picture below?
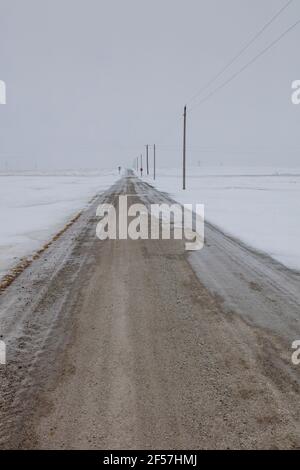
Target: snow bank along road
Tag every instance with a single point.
(139, 344)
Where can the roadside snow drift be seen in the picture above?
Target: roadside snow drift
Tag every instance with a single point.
(33, 208)
(260, 206)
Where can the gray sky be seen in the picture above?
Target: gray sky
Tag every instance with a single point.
(89, 82)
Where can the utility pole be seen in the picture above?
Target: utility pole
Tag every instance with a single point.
(147, 158)
(154, 161)
(184, 151)
(141, 165)
(137, 164)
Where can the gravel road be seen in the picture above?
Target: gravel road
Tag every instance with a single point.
(124, 344)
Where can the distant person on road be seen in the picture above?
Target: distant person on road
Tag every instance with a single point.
(119, 168)
(141, 172)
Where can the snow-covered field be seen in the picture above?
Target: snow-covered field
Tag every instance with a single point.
(260, 206)
(34, 207)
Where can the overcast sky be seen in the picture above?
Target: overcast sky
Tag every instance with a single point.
(90, 82)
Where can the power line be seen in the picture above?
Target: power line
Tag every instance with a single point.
(248, 64)
(257, 35)
(240, 53)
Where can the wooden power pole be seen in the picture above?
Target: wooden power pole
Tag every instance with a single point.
(147, 158)
(184, 151)
(154, 161)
